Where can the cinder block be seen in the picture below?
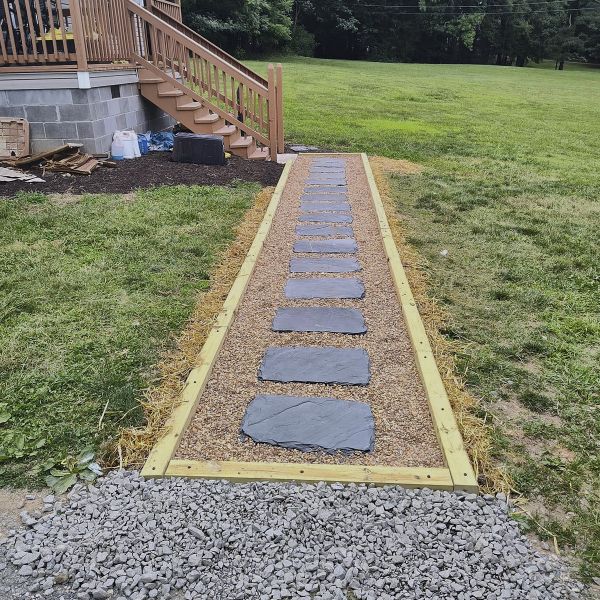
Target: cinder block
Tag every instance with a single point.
(75, 112)
(12, 111)
(85, 129)
(37, 131)
(131, 120)
(103, 94)
(99, 128)
(100, 110)
(121, 122)
(84, 96)
(123, 105)
(42, 114)
(61, 131)
(41, 145)
(36, 97)
(114, 107)
(134, 103)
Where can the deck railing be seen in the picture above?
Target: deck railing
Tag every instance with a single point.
(42, 33)
(86, 34)
(219, 85)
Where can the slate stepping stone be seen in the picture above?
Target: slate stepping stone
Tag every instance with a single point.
(324, 230)
(335, 246)
(325, 198)
(324, 265)
(328, 161)
(328, 176)
(324, 189)
(319, 319)
(327, 171)
(322, 181)
(325, 218)
(324, 288)
(309, 424)
(324, 206)
(304, 364)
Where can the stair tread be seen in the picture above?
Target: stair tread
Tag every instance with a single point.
(170, 93)
(193, 105)
(243, 142)
(208, 118)
(226, 130)
(259, 154)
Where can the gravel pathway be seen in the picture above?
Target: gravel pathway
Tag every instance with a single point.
(404, 432)
(188, 539)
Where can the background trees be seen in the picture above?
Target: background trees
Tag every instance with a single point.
(483, 31)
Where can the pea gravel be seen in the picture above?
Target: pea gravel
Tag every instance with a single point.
(192, 539)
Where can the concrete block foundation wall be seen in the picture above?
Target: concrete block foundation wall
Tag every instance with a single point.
(65, 113)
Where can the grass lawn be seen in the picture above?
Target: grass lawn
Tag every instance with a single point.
(92, 289)
(511, 190)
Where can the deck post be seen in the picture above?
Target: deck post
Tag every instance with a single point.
(272, 112)
(279, 87)
(78, 35)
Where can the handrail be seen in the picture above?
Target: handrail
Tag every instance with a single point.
(157, 22)
(203, 76)
(202, 41)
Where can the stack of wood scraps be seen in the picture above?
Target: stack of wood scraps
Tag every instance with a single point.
(64, 159)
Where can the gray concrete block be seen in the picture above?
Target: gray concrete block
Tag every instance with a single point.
(12, 111)
(37, 131)
(310, 423)
(99, 127)
(3, 99)
(104, 94)
(100, 110)
(75, 112)
(42, 114)
(84, 96)
(85, 129)
(34, 97)
(121, 121)
(114, 107)
(61, 131)
(41, 145)
(131, 120)
(312, 364)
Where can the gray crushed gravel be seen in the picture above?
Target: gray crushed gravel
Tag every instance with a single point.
(186, 539)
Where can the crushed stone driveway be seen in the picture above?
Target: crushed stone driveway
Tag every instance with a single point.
(186, 539)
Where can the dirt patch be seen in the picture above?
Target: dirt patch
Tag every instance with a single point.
(404, 431)
(152, 170)
(12, 502)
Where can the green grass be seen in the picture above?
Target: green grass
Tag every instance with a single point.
(511, 189)
(92, 289)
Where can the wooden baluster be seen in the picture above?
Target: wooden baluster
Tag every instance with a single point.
(3, 50)
(41, 31)
(78, 35)
(272, 113)
(280, 136)
(63, 28)
(14, 56)
(32, 32)
(22, 33)
(52, 32)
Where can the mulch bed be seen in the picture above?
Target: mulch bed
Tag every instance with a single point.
(152, 170)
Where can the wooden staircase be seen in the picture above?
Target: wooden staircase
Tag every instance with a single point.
(203, 87)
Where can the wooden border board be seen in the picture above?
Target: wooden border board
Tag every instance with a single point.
(161, 462)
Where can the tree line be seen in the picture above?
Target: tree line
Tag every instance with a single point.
(504, 32)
